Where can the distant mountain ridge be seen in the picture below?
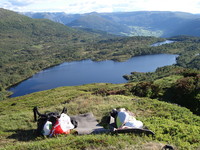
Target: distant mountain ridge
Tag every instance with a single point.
(59, 17)
(139, 23)
(99, 22)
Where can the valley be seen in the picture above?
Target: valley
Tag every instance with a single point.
(167, 101)
(139, 23)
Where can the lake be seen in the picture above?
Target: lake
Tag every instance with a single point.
(87, 71)
(162, 43)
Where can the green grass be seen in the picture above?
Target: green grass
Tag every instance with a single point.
(171, 123)
(167, 82)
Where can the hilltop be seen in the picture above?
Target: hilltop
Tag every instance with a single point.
(171, 123)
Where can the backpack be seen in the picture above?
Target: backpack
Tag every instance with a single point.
(47, 121)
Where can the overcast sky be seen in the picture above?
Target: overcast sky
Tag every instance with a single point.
(85, 6)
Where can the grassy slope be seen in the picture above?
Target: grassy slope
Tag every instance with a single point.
(172, 124)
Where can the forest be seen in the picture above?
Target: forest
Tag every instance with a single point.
(29, 59)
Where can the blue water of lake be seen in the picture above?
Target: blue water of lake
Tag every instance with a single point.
(162, 43)
(87, 71)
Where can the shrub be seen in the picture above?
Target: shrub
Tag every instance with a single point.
(146, 89)
(186, 92)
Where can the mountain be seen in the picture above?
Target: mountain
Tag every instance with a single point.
(166, 22)
(142, 23)
(12, 22)
(191, 28)
(59, 17)
(36, 31)
(98, 22)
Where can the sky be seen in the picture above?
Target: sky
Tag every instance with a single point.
(86, 6)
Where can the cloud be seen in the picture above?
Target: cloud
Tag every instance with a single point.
(173, 5)
(15, 5)
(21, 3)
(85, 6)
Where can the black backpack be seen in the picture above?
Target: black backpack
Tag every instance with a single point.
(43, 118)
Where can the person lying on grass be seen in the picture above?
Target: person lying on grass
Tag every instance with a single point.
(125, 119)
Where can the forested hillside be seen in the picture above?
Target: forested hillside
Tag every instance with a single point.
(29, 45)
(190, 28)
(98, 22)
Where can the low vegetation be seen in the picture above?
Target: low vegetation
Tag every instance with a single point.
(172, 84)
(171, 123)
